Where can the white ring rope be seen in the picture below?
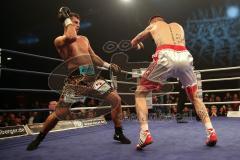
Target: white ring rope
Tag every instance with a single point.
(219, 69)
(164, 93)
(32, 72)
(221, 90)
(121, 82)
(126, 72)
(221, 79)
(107, 107)
(31, 55)
(27, 90)
(204, 91)
(60, 60)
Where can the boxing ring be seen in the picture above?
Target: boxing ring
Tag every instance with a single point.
(171, 140)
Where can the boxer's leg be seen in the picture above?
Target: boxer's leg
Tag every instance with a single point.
(145, 137)
(203, 114)
(50, 123)
(115, 100)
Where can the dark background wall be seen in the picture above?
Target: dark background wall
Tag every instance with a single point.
(212, 33)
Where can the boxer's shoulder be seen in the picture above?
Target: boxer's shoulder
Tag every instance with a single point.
(175, 24)
(82, 37)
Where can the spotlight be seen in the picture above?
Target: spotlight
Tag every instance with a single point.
(9, 58)
(233, 11)
(126, 0)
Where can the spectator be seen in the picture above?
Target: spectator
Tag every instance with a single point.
(213, 111)
(174, 110)
(33, 118)
(186, 110)
(229, 108)
(154, 100)
(212, 98)
(24, 119)
(91, 113)
(18, 121)
(11, 119)
(206, 98)
(2, 121)
(222, 111)
(92, 102)
(227, 97)
(52, 106)
(218, 99)
(235, 106)
(125, 115)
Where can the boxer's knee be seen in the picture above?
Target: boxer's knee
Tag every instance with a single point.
(141, 91)
(192, 93)
(117, 101)
(114, 99)
(62, 110)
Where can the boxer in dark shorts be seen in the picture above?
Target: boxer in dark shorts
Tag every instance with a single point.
(76, 47)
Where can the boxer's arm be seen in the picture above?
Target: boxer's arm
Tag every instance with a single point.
(141, 36)
(95, 58)
(101, 63)
(69, 37)
(70, 33)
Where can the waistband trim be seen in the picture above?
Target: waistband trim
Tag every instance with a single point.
(170, 46)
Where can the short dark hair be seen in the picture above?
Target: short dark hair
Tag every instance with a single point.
(73, 14)
(153, 17)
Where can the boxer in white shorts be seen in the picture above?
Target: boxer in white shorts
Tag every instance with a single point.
(171, 59)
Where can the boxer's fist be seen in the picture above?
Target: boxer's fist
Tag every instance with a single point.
(115, 68)
(136, 45)
(63, 14)
(140, 46)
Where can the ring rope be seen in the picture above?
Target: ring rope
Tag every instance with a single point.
(221, 79)
(25, 71)
(219, 69)
(165, 93)
(106, 107)
(32, 72)
(204, 91)
(27, 90)
(121, 82)
(31, 55)
(123, 71)
(60, 60)
(222, 90)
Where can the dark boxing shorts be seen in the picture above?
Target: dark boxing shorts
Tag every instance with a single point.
(85, 82)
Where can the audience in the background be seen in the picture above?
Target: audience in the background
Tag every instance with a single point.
(215, 110)
(52, 106)
(2, 121)
(35, 117)
(222, 111)
(235, 106)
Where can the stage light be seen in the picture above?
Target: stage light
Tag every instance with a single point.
(126, 1)
(233, 11)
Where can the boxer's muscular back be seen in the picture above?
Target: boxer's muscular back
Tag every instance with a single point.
(78, 49)
(164, 33)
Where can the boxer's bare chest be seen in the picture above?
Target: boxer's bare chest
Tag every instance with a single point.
(79, 47)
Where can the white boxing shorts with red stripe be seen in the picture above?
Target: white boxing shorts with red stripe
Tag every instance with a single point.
(170, 61)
